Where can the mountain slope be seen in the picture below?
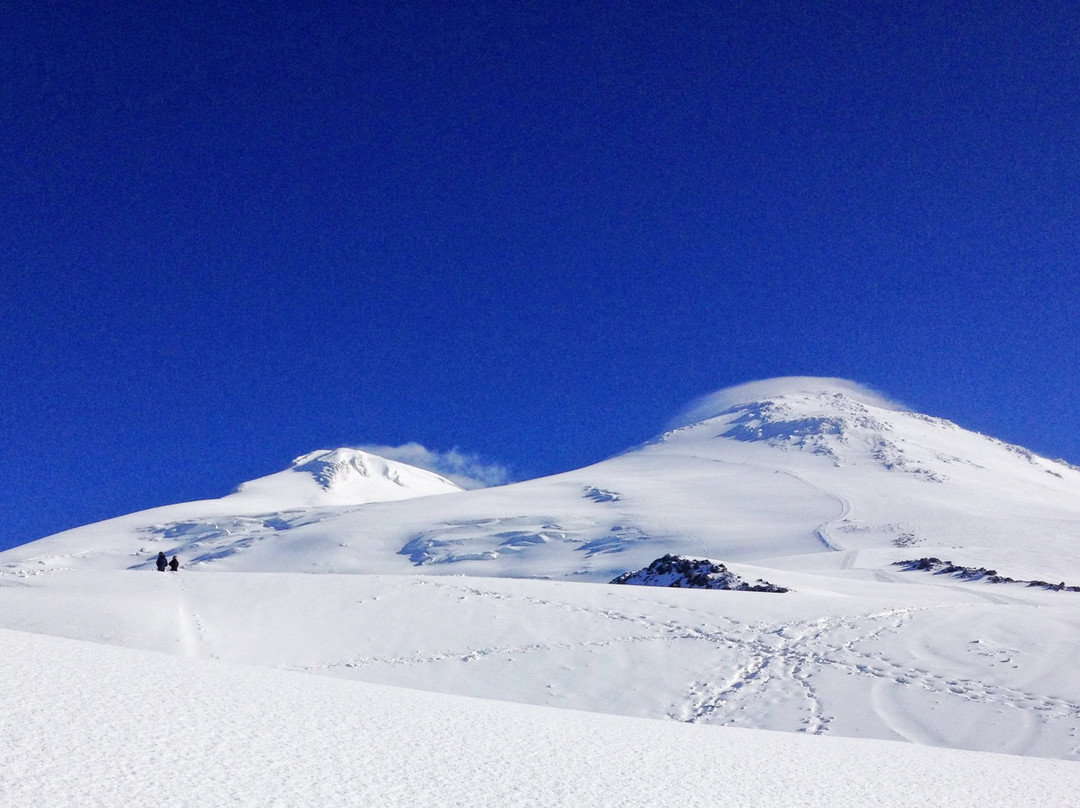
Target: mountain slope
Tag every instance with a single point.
(227, 735)
(316, 486)
(772, 473)
(813, 485)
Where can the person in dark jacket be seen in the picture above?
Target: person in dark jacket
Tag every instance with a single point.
(174, 565)
(162, 562)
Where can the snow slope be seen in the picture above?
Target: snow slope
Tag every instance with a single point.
(811, 484)
(818, 471)
(87, 724)
(952, 666)
(318, 485)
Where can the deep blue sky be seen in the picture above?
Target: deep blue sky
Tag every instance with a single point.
(533, 231)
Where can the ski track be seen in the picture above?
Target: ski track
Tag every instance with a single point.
(752, 670)
(795, 658)
(778, 662)
(759, 661)
(190, 627)
(824, 530)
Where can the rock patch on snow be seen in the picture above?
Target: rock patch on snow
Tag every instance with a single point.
(675, 571)
(939, 567)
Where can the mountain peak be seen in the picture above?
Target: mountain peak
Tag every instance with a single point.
(347, 476)
(335, 468)
(803, 392)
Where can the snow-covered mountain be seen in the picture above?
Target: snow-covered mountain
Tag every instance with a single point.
(342, 477)
(786, 473)
(316, 486)
(814, 485)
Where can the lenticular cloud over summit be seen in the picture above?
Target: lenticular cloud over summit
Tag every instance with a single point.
(714, 404)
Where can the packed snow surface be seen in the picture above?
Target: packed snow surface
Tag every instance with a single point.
(87, 724)
(242, 680)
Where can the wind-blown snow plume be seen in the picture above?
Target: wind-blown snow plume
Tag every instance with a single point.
(464, 469)
(713, 404)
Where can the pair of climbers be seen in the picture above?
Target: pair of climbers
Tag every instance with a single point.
(163, 562)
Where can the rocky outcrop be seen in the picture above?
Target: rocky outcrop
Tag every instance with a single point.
(685, 573)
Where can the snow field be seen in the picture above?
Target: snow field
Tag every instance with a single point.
(935, 665)
(86, 724)
(249, 680)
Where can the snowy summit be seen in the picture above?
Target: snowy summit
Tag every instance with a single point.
(344, 477)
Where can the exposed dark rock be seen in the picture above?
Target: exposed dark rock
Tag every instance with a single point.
(675, 571)
(939, 567)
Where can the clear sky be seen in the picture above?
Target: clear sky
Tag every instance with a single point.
(529, 231)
